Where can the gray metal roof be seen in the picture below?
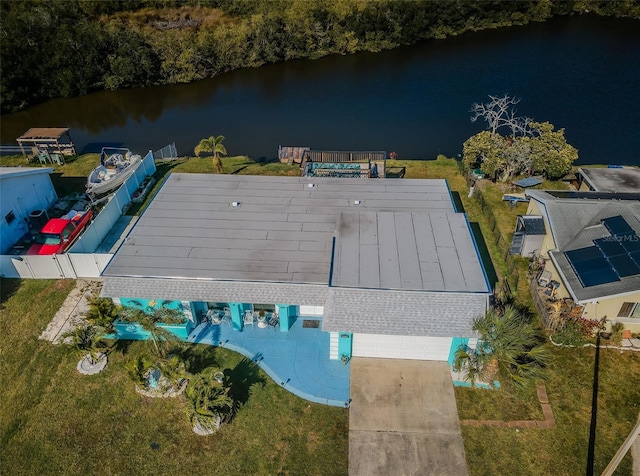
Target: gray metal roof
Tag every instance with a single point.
(618, 180)
(282, 230)
(406, 313)
(406, 250)
(575, 223)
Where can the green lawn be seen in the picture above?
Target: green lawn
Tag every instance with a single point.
(55, 421)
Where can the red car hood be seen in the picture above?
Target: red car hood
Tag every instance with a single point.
(37, 249)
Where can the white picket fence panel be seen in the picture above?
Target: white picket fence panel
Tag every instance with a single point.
(81, 261)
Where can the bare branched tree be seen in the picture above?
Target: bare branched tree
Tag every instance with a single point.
(500, 112)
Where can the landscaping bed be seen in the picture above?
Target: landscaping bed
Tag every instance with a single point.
(56, 421)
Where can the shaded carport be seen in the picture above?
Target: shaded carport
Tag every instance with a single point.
(403, 419)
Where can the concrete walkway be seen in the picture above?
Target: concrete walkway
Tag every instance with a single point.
(403, 419)
(72, 310)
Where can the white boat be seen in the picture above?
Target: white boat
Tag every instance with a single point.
(114, 169)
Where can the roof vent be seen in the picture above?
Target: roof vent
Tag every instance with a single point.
(357, 202)
(235, 204)
(311, 185)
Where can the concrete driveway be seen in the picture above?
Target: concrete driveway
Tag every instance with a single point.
(403, 419)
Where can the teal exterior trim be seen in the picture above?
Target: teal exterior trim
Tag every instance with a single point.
(344, 344)
(150, 303)
(456, 342)
(287, 315)
(133, 331)
(237, 311)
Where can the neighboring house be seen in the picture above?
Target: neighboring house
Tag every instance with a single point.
(387, 265)
(23, 191)
(592, 248)
(612, 180)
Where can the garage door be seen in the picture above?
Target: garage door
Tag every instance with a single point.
(401, 347)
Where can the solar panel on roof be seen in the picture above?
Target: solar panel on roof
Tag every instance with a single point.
(583, 254)
(624, 265)
(591, 267)
(596, 277)
(630, 243)
(610, 246)
(618, 225)
(635, 256)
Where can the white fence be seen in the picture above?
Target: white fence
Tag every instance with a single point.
(166, 153)
(81, 261)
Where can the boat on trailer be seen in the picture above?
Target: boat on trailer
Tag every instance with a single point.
(116, 165)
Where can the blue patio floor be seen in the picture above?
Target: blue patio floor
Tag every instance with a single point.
(297, 360)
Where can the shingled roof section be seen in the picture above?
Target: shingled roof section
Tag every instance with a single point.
(575, 223)
(404, 313)
(206, 290)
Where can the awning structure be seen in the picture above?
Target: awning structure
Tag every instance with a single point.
(46, 138)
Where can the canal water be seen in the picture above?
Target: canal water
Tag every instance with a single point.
(579, 73)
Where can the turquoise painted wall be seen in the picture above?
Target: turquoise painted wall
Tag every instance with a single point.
(237, 311)
(154, 303)
(455, 344)
(132, 331)
(287, 316)
(344, 344)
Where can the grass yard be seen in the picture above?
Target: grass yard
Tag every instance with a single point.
(55, 421)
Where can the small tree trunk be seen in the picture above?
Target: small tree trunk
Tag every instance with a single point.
(490, 370)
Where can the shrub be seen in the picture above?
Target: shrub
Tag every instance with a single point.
(570, 334)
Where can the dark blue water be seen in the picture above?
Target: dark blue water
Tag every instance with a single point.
(581, 74)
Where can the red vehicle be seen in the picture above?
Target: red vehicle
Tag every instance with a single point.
(59, 233)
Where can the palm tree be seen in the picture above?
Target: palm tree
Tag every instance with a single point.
(210, 403)
(86, 340)
(508, 342)
(214, 146)
(102, 312)
(162, 340)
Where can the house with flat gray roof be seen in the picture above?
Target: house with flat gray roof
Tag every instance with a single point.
(609, 179)
(388, 267)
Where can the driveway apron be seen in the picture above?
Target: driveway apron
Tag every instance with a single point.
(403, 419)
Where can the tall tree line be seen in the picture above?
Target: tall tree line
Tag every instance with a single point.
(53, 48)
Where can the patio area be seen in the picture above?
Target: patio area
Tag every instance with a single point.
(298, 359)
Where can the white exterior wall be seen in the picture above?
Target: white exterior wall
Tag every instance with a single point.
(311, 310)
(401, 347)
(22, 193)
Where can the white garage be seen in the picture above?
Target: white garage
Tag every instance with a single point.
(401, 347)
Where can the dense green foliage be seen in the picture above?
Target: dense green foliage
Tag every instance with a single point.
(71, 47)
(511, 343)
(524, 146)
